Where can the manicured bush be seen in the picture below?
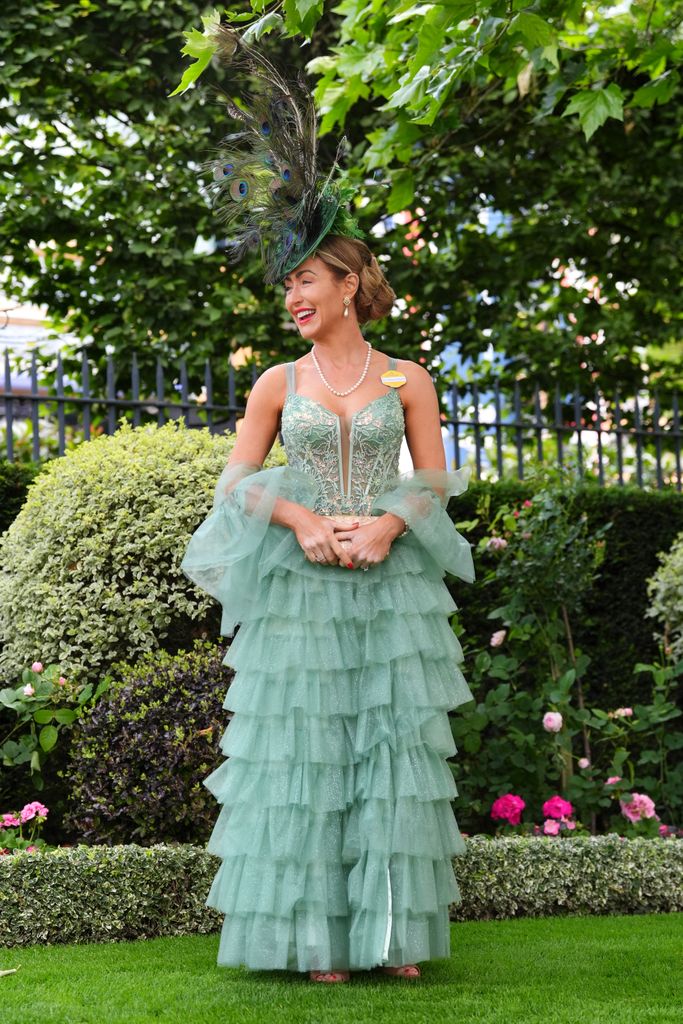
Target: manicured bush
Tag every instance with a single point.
(139, 757)
(110, 894)
(665, 590)
(90, 568)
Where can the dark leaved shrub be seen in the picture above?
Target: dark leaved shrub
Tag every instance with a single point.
(137, 762)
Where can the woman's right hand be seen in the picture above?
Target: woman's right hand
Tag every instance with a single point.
(318, 541)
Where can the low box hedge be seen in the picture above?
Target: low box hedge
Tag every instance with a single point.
(108, 893)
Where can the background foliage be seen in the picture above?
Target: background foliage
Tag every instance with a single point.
(529, 153)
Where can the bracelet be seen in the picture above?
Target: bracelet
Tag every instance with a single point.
(405, 531)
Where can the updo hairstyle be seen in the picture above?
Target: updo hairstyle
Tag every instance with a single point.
(375, 296)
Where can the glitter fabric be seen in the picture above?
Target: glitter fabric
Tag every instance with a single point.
(336, 832)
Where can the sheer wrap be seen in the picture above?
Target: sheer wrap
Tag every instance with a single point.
(237, 544)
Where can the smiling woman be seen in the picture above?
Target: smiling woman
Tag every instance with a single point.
(335, 832)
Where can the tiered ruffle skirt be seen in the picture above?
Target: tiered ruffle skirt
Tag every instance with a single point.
(336, 833)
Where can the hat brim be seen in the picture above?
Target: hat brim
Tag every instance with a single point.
(301, 252)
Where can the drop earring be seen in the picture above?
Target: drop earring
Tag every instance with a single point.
(347, 303)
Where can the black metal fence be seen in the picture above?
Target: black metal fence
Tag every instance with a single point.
(620, 440)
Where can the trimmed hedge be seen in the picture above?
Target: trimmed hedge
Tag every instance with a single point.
(100, 894)
(615, 631)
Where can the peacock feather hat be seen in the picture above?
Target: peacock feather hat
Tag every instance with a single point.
(264, 180)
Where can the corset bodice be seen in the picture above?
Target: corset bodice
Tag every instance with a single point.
(350, 458)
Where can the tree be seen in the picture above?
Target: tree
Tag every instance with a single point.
(557, 117)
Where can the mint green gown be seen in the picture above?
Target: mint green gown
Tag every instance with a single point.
(335, 830)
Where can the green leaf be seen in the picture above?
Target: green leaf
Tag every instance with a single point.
(66, 716)
(268, 23)
(202, 47)
(535, 30)
(472, 742)
(304, 7)
(658, 91)
(594, 106)
(402, 191)
(416, 11)
(43, 716)
(411, 91)
(48, 737)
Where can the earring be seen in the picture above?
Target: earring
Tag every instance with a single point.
(347, 303)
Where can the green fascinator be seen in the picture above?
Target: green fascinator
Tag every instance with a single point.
(265, 182)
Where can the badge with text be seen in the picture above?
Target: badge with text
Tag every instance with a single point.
(393, 378)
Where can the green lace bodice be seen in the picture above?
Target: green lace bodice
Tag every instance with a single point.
(351, 457)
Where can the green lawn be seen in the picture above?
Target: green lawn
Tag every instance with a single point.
(572, 970)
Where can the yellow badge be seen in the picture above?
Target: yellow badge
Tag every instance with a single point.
(393, 378)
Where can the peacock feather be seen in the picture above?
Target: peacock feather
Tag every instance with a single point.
(264, 179)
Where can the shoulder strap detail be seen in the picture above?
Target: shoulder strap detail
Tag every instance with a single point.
(392, 363)
(291, 377)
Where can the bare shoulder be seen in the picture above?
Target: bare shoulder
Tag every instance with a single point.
(419, 387)
(269, 388)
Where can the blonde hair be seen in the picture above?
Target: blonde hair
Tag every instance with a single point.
(375, 296)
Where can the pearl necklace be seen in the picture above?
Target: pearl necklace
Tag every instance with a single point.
(363, 375)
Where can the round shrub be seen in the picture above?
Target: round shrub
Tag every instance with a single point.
(90, 568)
(137, 762)
(665, 590)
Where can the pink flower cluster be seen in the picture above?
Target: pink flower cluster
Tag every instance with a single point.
(557, 812)
(496, 543)
(508, 808)
(37, 667)
(641, 806)
(33, 810)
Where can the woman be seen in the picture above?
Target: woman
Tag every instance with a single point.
(336, 831)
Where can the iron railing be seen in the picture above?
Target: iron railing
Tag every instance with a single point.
(500, 433)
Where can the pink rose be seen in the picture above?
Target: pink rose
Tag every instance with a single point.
(61, 681)
(612, 779)
(583, 762)
(32, 810)
(31, 849)
(527, 503)
(28, 690)
(569, 823)
(496, 543)
(557, 807)
(550, 827)
(663, 829)
(623, 712)
(552, 721)
(508, 808)
(640, 807)
(37, 666)
(498, 637)
(9, 821)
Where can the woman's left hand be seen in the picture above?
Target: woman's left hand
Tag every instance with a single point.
(370, 543)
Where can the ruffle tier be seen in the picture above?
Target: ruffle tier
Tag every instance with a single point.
(336, 833)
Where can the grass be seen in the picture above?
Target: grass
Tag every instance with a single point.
(570, 970)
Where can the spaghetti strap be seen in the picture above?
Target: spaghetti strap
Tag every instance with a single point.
(290, 370)
(392, 363)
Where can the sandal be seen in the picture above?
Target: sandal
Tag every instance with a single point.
(405, 971)
(329, 976)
